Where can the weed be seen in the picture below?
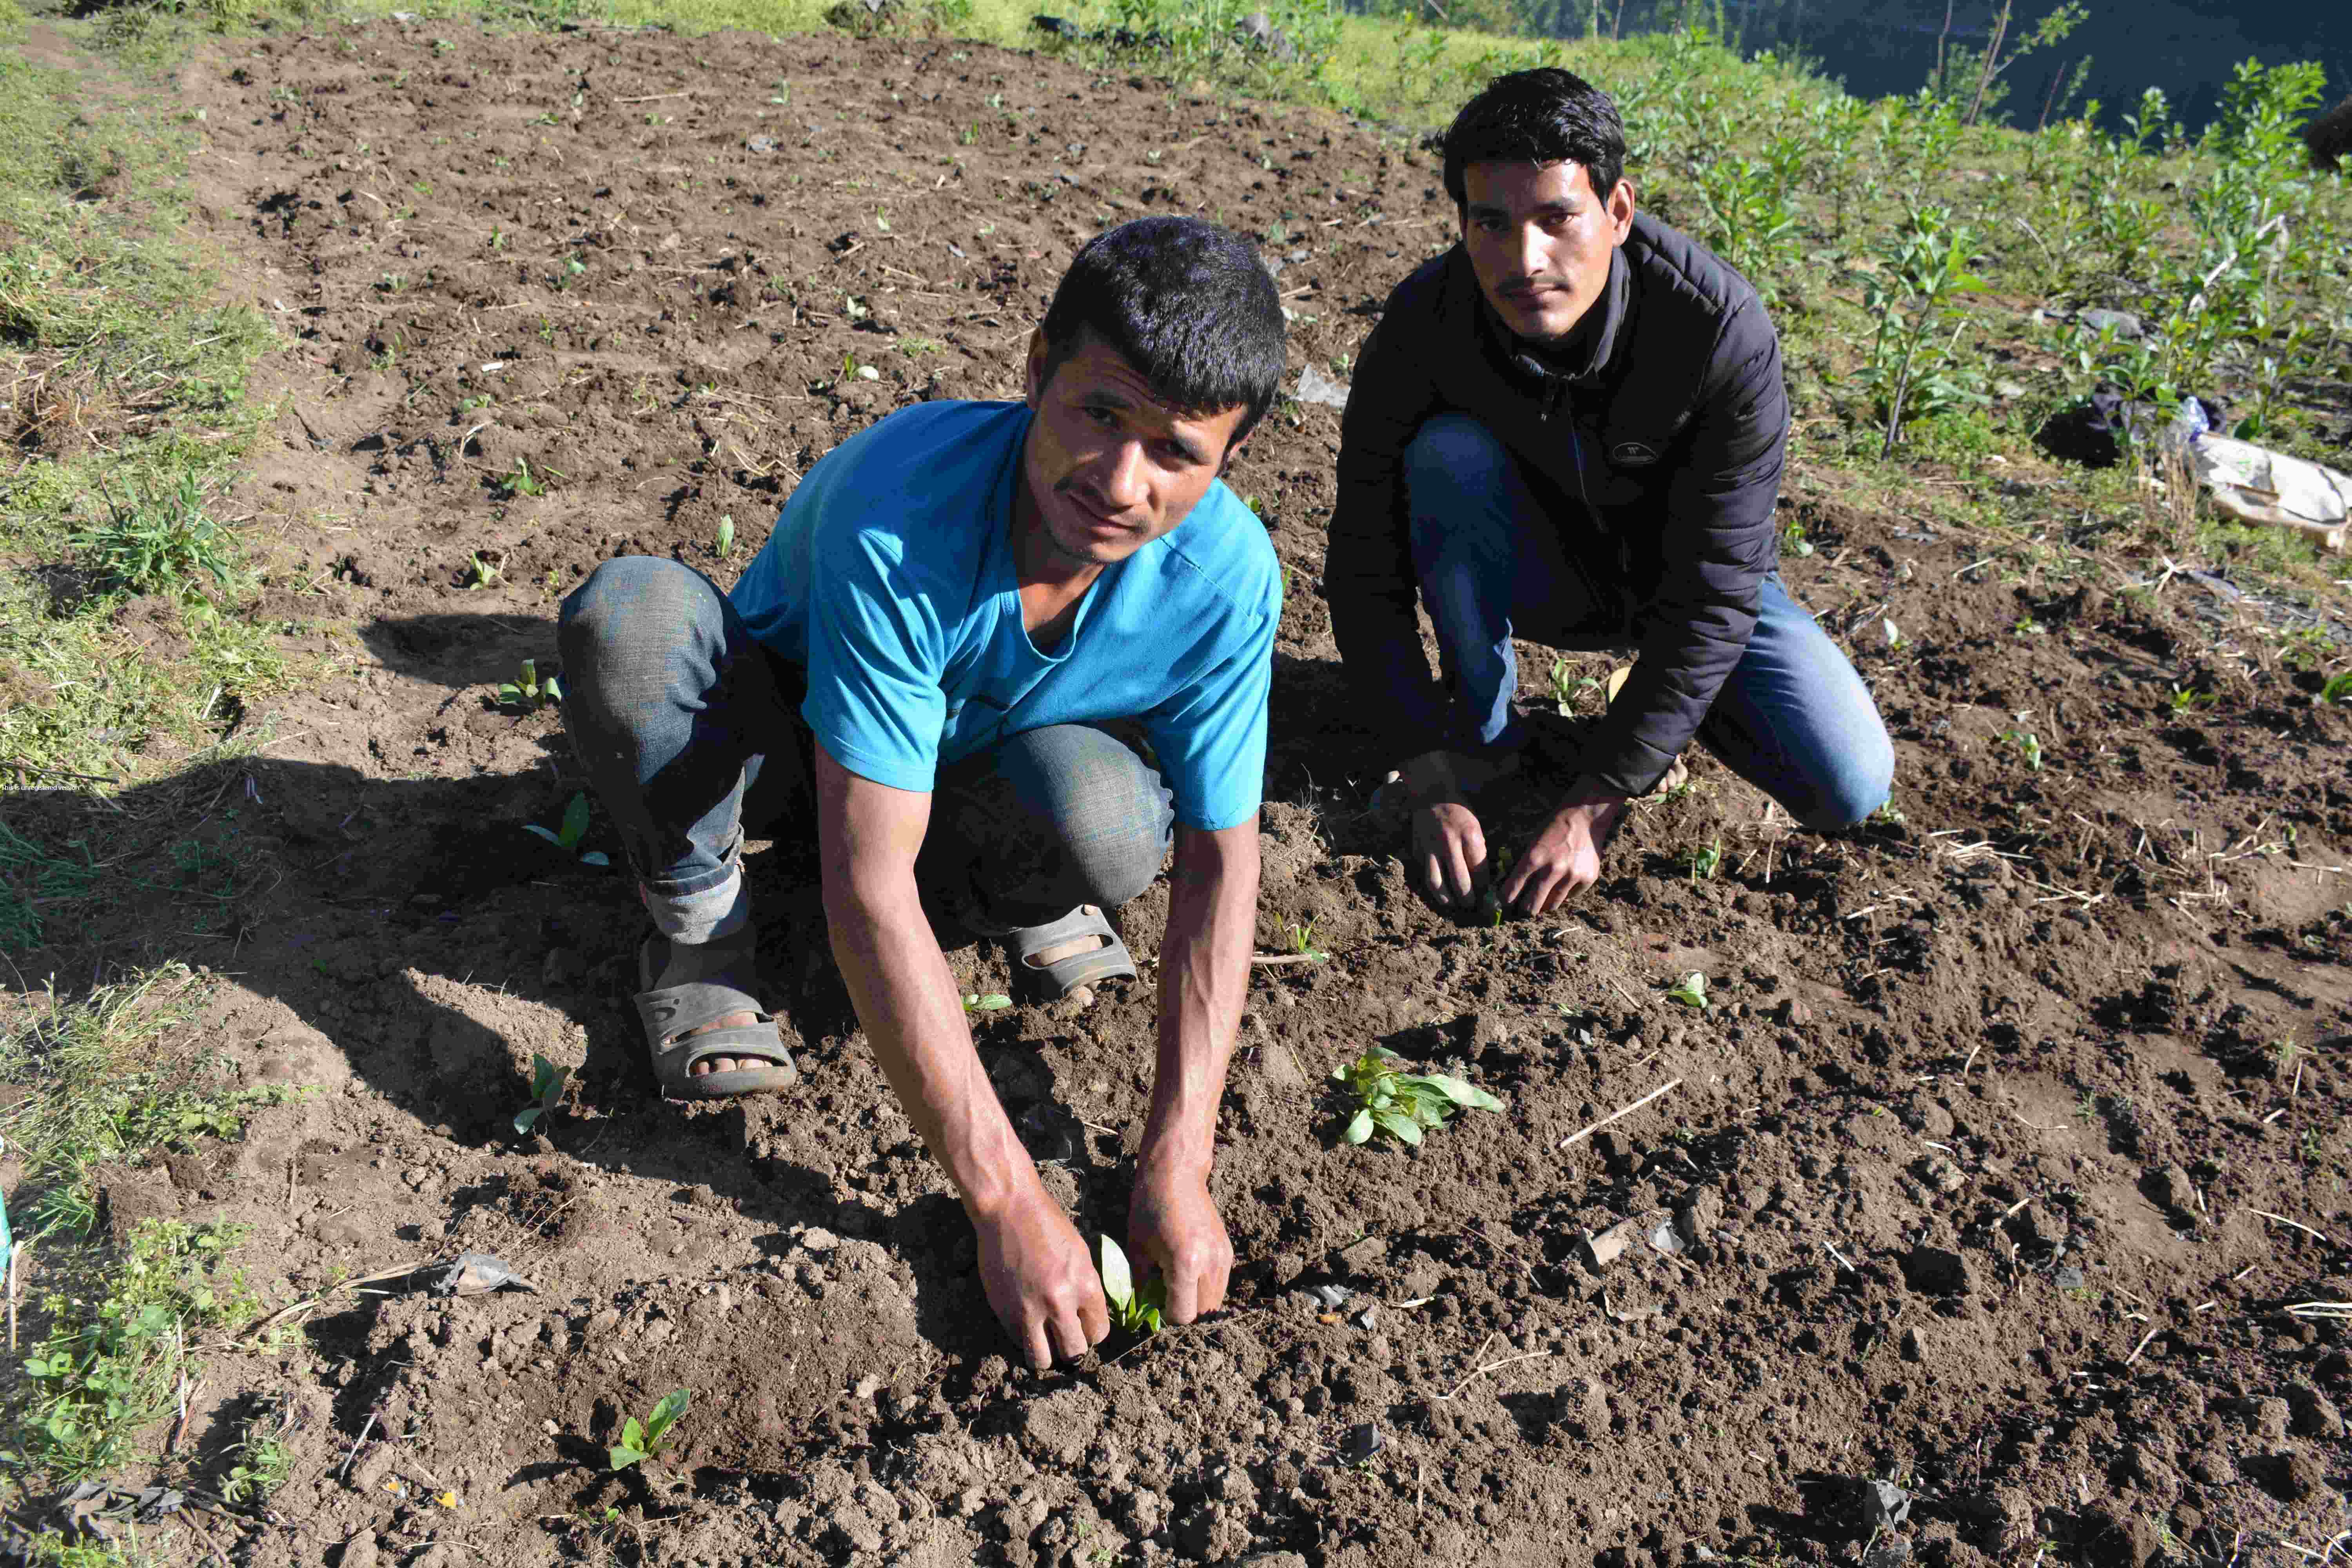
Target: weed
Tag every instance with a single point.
(33, 878)
(99, 1378)
(640, 1442)
(1691, 992)
(574, 828)
(2028, 746)
(158, 543)
(546, 1090)
(1400, 1104)
(1137, 1311)
(1915, 369)
(264, 1460)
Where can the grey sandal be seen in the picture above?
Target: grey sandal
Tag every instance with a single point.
(1110, 961)
(668, 1012)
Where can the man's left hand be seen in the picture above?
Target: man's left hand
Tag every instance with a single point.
(1172, 1221)
(1564, 858)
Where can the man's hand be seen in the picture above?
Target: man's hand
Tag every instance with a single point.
(1172, 1221)
(1041, 1278)
(1565, 857)
(1449, 848)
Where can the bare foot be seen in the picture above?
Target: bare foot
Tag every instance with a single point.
(731, 956)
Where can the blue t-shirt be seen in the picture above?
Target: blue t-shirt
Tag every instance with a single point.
(890, 578)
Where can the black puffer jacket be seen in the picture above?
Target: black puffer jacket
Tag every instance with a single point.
(1658, 450)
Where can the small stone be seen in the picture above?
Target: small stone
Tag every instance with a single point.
(1794, 1014)
(1365, 1319)
(2068, 1279)
(1701, 1212)
(359, 1551)
(2171, 1187)
(868, 1385)
(1914, 1344)
(1937, 1271)
(1361, 1442)
(814, 1239)
(2127, 327)
(760, 145)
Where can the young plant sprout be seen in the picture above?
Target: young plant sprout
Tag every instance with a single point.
(1401, 1103)
(1704, 863)
(546, 1088)
(985, 1002)
(1137, 1312)
(574, 829)
(2029, 747)
(726, 536)
(1692, 992)
(1301, 936)
(528, 691)
(641, 1441)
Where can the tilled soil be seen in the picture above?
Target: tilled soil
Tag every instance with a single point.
(1960, 1183)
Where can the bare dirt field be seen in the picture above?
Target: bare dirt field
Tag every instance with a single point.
(2014, 1126)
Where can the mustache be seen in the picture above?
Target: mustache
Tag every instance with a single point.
(1528, 282)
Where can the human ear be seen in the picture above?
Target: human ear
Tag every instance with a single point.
(1033, 373)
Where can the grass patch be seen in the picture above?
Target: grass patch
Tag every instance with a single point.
(102, 1085)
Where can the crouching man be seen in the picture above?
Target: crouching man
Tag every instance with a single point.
(952, 602)
(1569, 429)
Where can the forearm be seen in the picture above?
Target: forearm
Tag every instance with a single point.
(1204, 967)
(906, 999)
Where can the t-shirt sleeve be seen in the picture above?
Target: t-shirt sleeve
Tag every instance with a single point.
(877, 646)
(1211, 735)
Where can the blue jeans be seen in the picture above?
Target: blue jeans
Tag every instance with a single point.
(1794, 718)
(689, 728)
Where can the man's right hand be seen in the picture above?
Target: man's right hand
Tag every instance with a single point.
(1041, 1280)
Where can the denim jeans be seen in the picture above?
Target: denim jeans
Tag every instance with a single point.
(689, 728)
(1794, 718)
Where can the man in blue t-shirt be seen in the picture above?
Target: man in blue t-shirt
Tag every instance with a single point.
(954, 602)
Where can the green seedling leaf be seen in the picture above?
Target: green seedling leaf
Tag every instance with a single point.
(1692, 992)
(1118, 1279)
(1461, 1092)
(546, 1088)
(1359, 1126)
(1403, 1104)
(511, 695)
(1135, 1309)
(726, 536)
(641, 1440)
(1407, 1128)
(575, 821)
(986, 1002)
(547, 833)
(595, 857)
(551, 690)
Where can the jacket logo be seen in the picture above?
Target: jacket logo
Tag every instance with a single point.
(1632, 454)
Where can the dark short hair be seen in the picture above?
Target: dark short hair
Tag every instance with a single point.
(1185, 303)
(1546, 116)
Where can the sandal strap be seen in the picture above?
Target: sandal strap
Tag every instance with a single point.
(675, 1010)
(737, 1040)
(1110, 961)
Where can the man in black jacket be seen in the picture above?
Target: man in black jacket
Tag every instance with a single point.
(1570, 427)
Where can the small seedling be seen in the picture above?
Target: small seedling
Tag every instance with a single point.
(574, 828)
(522, 481)
(1794, 542)
(1703, 864)
(481, 574)
(985, 1002)
(2029, 747)
(2186, 699)
(2338, 688)
(644, 1442)
(546, 1088)
(725, 540)
(1691, 992)
(1136, 1310)
(1401, 1103)
(530, 692)
(1301, 937)
(1567, 687)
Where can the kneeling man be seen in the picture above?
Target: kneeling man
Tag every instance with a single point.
(1569, 429)
(953, 602)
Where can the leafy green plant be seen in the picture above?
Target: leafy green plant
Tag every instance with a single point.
(1390, 1099)
(1793, 541)
(528, 691)
(522, 481)
(574, 827)
(1135, 1309)
(2338, 688)
(264, 1460)
(1915, 368)
(546, 1090)
(158, 543)
(1691, 992)
(2186, 699)
(1567, 687)
(482, 571)
(643, 1441)
(986, 1001)
(2028, 746)
(115, 1349)
(1300, 934)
